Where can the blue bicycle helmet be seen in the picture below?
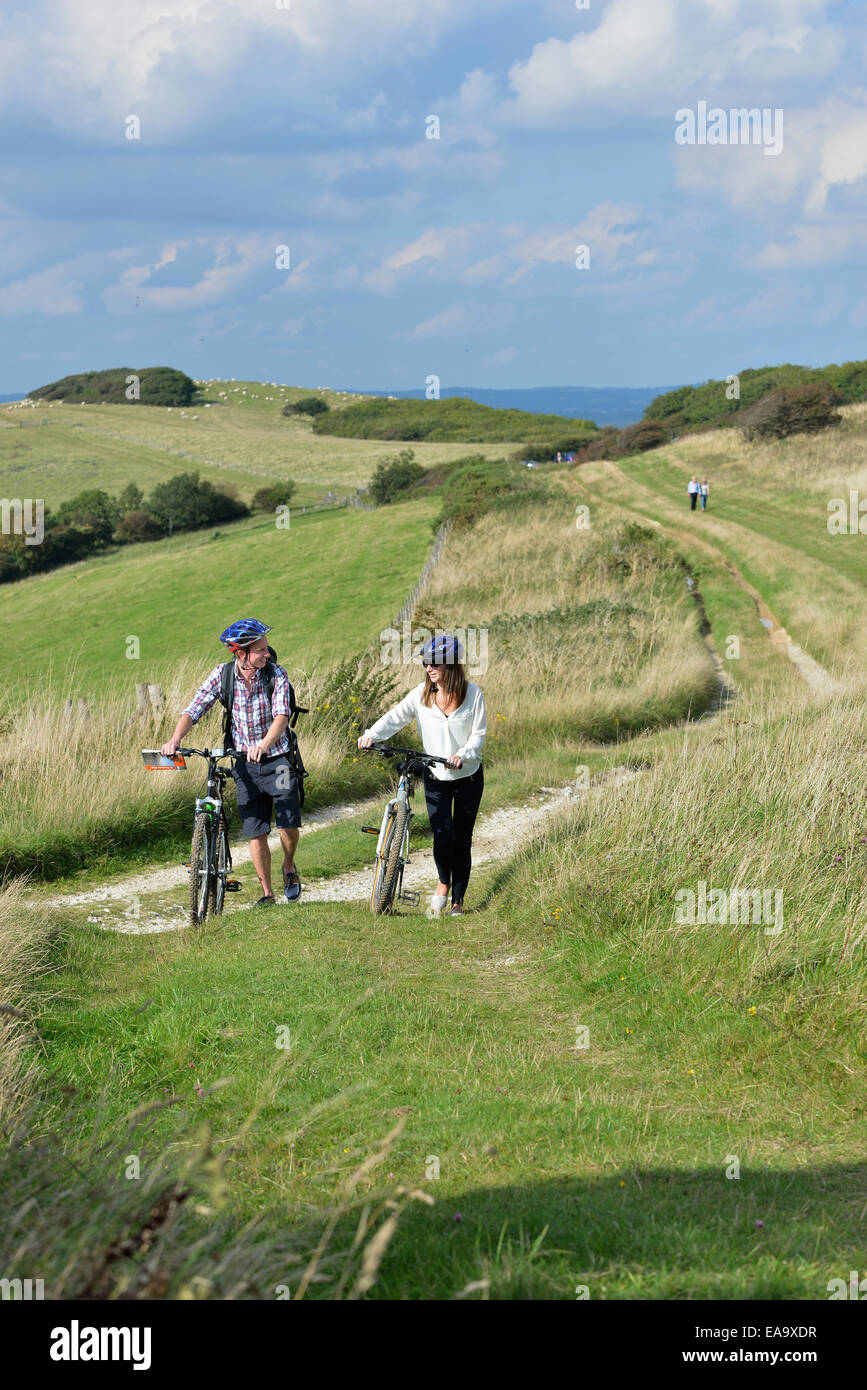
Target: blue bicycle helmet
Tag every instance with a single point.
(442, 650)
(243, 633)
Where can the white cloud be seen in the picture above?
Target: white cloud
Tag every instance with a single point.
(648, 57)
(234, 262)
(85, 66)
(53, 292)
(446, 323)
(435, 244)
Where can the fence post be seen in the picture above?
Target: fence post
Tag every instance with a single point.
(141, 697)
(157, 699)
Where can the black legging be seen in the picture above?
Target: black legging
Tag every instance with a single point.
(453, 807)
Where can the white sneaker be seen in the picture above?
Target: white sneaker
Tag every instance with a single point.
(437, 905)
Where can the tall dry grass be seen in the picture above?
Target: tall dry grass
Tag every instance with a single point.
(25, 951)
(761, 801)
(586, 632)
(74, 789)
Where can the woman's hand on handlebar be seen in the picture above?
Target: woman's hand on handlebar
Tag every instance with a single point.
(454, 761)
(365, 741)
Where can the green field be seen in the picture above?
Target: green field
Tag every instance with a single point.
(702, 1139)
(327, 585)
(54, 451)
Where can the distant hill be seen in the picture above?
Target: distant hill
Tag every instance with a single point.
(156, 386)
(711, 404)
(607, 405)
(454, 420)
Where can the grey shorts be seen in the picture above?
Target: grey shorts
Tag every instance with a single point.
(263, 789)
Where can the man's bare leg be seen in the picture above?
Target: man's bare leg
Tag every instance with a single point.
(260, 853)
(289, 839)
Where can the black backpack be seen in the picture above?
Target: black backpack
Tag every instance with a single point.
(269, 675)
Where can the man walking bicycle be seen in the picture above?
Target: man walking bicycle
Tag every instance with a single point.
(257, 724)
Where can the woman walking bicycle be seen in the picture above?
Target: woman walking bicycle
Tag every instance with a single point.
(450, 715)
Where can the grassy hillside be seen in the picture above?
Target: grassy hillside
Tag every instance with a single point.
(327, 585)
(453, 419)
(589, 1088)
(701, 1140)
(235, 435)
(691, 407)
(767, 514)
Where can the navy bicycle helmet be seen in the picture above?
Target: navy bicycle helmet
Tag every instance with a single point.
(243, 634)
(442, 650)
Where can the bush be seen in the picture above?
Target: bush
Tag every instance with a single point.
(602, 447)
(274, 495)
(479, 485)
(92, 512)
(157, 386)
(186, 503)
(393, 475)
(137, 525)
(646, 434)
(803, 409)
(353, 696)
(311, 405)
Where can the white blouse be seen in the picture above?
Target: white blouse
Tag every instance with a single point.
(462, 732)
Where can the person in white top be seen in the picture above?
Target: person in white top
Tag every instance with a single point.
(693, 487)
(450, 716)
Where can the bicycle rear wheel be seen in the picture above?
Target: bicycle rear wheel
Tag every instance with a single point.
(202, 886)
(388, 863)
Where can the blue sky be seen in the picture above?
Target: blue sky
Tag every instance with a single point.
(302, 124)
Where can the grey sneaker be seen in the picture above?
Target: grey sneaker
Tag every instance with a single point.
(291, 885)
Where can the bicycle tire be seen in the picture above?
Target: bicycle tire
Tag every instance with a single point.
(221, 863)
(201, 882)
(387, 864)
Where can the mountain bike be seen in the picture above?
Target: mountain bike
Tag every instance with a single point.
(210, 861)
(392, 847)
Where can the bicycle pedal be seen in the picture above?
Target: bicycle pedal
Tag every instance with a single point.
(370, 830)
(233, 885)
(409, 897)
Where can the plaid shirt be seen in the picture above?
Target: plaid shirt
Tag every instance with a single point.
(252, 715)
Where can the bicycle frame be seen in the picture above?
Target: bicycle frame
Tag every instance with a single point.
(405, 788)
(213, 806)
(411, 764)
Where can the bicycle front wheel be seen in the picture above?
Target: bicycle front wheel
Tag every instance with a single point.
(388, 863)
(202, 886)
(221, 864)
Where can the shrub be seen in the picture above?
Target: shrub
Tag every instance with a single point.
(137, 525)
(478, 485)
(646, 434)
(602, 447)
(185, 503)
(311, 405)
(157, 386)
(803, 409)
(393, 475)
(265, 499)
(93, 512)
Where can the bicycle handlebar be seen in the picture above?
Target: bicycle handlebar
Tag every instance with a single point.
(388, 751)
(211, 753)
